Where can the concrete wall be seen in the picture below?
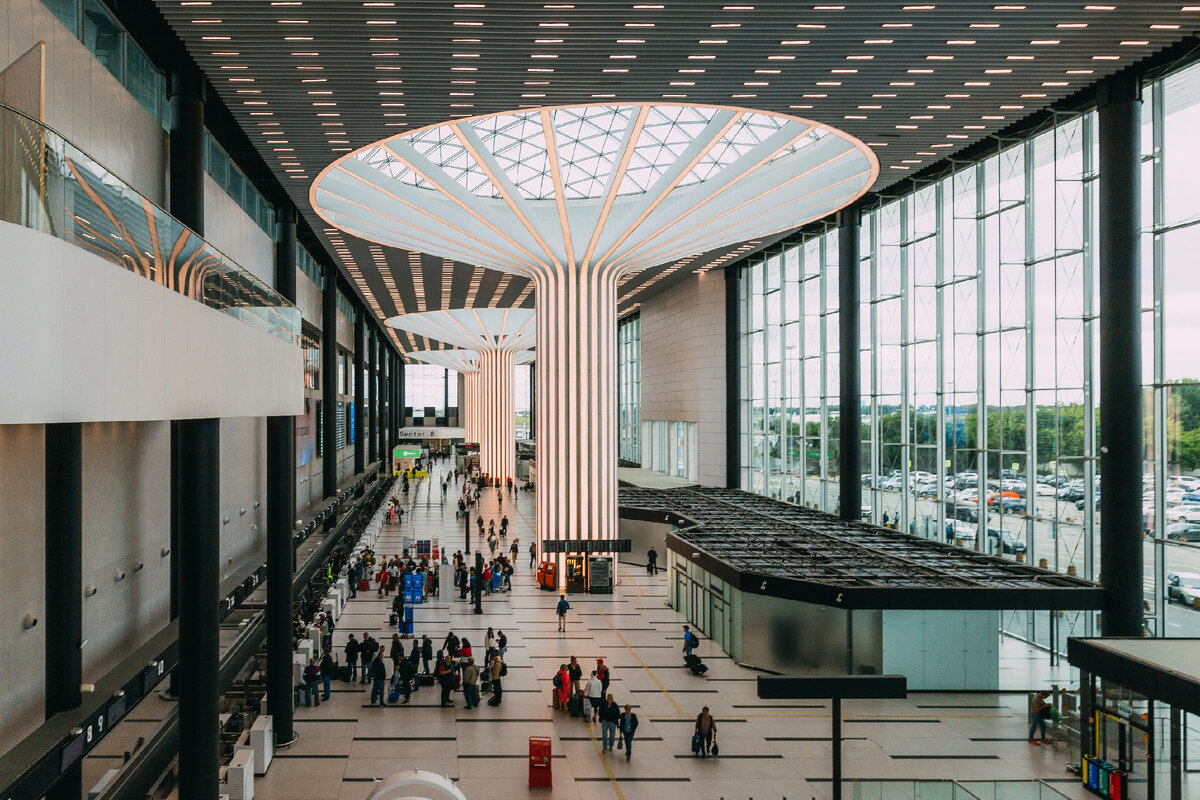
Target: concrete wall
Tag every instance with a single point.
(243, 487)
(84, 102)
(642, 536)
(22, 551)
(943, 650)
(126, 521)
(683, 365)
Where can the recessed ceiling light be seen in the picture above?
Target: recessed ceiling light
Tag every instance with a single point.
(919, 8)
(682, 83)
(993, 116)
(878, 41)
(869, 108)
(794, 41)
(1130, 43)
(1164, 27)
(614, 69)
(985, 25)
(560, 41)
(725, 25)
(828, 83)
(897, 25)
(859, 58)
(843, 71)
(937, 108)
(814, 96)
(701, 58)
(974, 127)
(767, 71)
(884, 94)
(1105, 58)
(755, 83)
(1055, 83)
(939, 58)
(712, 41)
(919, 71)
(997, 71)
(1020, 58)
(907, 127)
(1080, 71)
(901, 83)
(1099, 8)
(1042, 42)
(977, 83)
(956, 95)
(691, 71)
(1071, 25)
(960, 41)
(854, 116)
(215, 38)
(1009, 8)
(811, 25)
(920, 116)
(1011, 108)
(957, 136)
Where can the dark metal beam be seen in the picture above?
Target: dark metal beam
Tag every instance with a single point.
(360, 346)
(1121, 440)
(850, 399)
(733, 378)
(329, 387)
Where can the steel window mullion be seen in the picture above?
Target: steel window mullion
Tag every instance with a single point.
(906, 443)
(981, 428)
(940, 344)
(1159, 334)
(1030, 374)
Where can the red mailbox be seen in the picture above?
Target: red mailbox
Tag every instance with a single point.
(539, 763)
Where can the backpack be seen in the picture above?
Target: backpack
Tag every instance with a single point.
(503, 669)
(602, 673)
(693, 639)
(557, 677)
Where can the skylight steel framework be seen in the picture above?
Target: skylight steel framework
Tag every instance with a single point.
(497, 338)
(576, 197)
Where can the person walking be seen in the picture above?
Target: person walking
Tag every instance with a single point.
(706, 729)
(1039, 712)
(329, 669)
(514, 551)
(689, 641)
(627, 725)
(561, 610)
(407, 674)
(594, 692)
(312, 677)
(496, 673)
(378, 678)
(532, 555)
(602, 674)
(652, 561)
(470, 684)
(575, 672)
(610, 715)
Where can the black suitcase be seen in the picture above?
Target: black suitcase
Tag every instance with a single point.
(426, 680)
(695, 664)
(345, 674)
(575, 705)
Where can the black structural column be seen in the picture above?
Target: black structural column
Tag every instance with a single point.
(360, 345)
(329, 363)
(372, 416)
(64, 594)
(281, 511)
(185, 201)
(380, 402)
(397, 382)
(1121, 446)
(850, 400)
(733, 379)
(199, 595)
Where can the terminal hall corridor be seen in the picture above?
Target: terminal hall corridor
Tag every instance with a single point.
(769, 749)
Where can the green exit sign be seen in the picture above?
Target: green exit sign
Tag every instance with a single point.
(405, 452)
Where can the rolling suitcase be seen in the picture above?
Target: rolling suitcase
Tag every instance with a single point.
(345, 673)
(426, 680)
(695, 664)
(364, 585)
(575, 705)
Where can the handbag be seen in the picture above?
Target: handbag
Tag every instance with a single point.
(696, 743)
(714, 750)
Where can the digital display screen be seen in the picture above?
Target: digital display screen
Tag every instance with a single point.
(116, 710)
(150, 680)
(71, 752)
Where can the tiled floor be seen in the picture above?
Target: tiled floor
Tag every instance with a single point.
(768, 750)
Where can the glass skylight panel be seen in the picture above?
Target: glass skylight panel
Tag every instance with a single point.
(443, 148)
(667, 132)
(748, 132)
(588, 139)
(518, 144)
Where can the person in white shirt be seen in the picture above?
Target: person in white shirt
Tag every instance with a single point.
(594, 690)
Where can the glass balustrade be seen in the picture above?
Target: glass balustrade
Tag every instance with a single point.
(49, 185)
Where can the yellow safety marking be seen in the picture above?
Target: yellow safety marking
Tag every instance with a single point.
(633, 652)
(637, 601)
(612, 777)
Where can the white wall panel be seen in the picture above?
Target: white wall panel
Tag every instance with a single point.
(60, 305)
(229, 229)
(683, 365)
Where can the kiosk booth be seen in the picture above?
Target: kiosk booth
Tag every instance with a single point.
(407, 456)
(466, 457)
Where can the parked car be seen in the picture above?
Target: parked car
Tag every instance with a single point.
(965, 513)
(963, 531)
(1183, 532)
(1184, 513)
(1011, 505)
(995, 497)
(1183, 587)
(866, 512)
(1081, 504)
(1005, 542)
(1046, 490)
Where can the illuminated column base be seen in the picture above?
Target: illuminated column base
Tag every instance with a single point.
(470, 407)
(497, 425)
(576, 406)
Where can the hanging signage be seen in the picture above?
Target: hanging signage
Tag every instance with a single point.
(587, 545)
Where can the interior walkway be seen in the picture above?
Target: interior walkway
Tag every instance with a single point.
(768, 750)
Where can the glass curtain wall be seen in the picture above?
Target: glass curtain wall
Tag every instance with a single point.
(521, 401)
(980, 360)
(629, 389)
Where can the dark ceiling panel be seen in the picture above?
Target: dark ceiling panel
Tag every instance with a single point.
(310, 80)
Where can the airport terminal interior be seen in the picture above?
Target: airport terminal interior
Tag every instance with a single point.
(744, 400)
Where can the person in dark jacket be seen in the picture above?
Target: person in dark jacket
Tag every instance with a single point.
(610, 713)
(366, 651)
(627, 725)
(352, 649)
(652, 561)
(328, 671)
(426, 652)
(312, 677)
(405, 677)
(378, 671)
(444, 673)
(706, 728)
(414, 660)
(397, 652)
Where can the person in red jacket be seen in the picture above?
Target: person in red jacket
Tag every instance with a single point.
(562, 687)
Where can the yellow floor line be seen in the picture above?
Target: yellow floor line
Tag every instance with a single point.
(633, 652)
(637, 601)
(612, 776)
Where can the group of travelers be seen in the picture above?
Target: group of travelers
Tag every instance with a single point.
(496, 576)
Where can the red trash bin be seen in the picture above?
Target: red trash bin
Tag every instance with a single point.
(539, 763)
